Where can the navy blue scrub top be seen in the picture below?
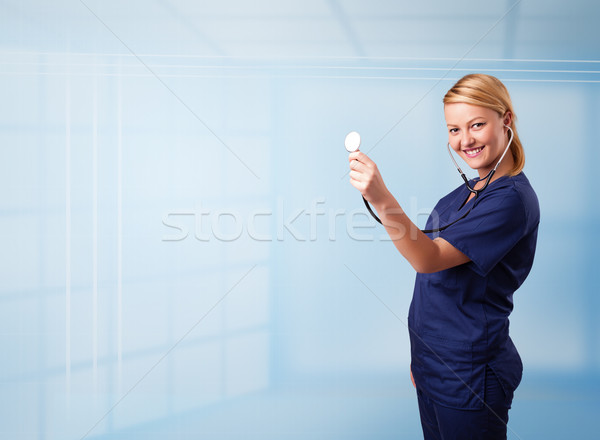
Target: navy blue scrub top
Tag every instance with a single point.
(458, 318)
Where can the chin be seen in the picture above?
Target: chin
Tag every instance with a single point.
(482, 164)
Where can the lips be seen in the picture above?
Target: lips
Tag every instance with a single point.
(473, 152)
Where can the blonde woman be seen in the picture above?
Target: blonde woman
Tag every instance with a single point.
(477, 249)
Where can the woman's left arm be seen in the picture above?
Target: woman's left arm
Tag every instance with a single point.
(424, 254)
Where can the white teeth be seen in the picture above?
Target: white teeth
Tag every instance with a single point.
(473, 152)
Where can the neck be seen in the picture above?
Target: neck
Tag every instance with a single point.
(503, 169)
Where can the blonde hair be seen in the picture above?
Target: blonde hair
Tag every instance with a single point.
(488, 91)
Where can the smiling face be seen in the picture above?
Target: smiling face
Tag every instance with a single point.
(477, 134)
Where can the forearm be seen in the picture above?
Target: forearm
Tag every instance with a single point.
(423, 253)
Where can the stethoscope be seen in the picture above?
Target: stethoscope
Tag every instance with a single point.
(352, 144)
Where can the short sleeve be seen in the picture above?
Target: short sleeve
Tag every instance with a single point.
(493, 227)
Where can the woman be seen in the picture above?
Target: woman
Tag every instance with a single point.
(477, 250)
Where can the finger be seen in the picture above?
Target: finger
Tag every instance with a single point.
(361, 157)
(356, 165)
(356, 155)
(359, 177)
(358, 185)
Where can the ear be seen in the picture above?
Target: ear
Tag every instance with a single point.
(507, 119)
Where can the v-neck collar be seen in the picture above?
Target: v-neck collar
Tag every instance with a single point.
(473, 182)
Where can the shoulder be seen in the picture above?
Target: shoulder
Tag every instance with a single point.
(516, 197)
(520, 186)
(528, 196)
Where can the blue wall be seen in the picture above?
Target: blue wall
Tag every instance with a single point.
(182, 254)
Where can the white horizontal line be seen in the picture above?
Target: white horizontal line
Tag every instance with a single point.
(299, 57)
(267, 67)
(400, 78)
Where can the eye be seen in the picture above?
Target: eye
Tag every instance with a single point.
(478, 124)
(453, 130)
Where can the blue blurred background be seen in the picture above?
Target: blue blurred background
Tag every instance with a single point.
(182, 255)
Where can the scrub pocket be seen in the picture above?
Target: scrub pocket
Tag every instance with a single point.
(448, 371)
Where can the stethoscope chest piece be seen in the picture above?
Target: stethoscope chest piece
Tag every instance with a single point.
(352, 142)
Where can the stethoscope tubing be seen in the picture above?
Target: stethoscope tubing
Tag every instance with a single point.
(487, 178)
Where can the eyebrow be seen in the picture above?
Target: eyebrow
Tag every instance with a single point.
(474, 119)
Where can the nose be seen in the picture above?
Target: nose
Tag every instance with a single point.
(466, 140)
